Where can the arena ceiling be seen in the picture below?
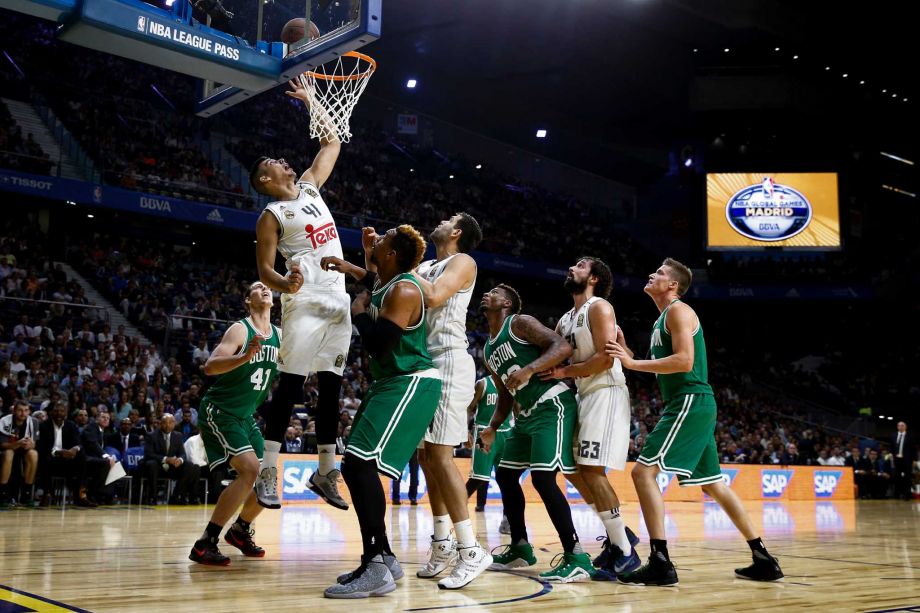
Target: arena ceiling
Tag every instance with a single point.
(614, 81)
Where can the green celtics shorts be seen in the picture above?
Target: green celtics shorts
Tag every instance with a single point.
(483, 461)
(683, 441)
(225, 435)
(393, 418)
(542, 439)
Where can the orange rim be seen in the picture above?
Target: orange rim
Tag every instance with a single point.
(354, 77)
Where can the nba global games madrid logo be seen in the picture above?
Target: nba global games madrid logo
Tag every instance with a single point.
(768, 211)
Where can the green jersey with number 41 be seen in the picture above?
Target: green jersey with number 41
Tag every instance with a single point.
(241, 391)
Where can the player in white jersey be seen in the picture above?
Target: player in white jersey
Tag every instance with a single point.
(447, 284)
(602, 437)
(316, 316)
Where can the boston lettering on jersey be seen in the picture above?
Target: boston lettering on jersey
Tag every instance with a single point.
(242, 390)
(506, 354)
(501, 354)
(268, 353)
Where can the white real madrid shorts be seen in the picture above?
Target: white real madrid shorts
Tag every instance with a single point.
(315, 332)
(458, 386)
(602, 436)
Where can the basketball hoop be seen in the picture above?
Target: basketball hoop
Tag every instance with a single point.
(334, 92)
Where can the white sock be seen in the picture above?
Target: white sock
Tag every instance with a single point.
(441, 527)
(464, 531)
(616, 529)
(326, 458)
(270, 455)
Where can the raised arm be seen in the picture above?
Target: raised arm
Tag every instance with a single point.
(226, 356)
(267, 231)
(681, 322)
(459, 274)
(329, 147)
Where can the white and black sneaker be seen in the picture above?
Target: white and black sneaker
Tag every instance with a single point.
(471, 562)
(267, 488)
(443, 553)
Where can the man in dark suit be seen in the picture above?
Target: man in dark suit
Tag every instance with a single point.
(872, 475)
(903, 449)
(124, 438)
(164, 457)
(62, 455)
(98, 462)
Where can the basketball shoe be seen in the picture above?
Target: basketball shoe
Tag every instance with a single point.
(242, 540)
(471, 562)
(517, 555)
(205, 551)
(571, 566)
(267, 488)
(443, 554)
(617, 563)
(601, 559)
(372, 578)
(764, 568)
(388, 559)
(657, 571)
(327, 487)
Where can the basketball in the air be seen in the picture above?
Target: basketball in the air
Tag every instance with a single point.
(293, 31)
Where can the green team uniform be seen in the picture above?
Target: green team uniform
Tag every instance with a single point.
(227, 425)
(483, 461)
(683, 441)
(401, 402)
(541, 438)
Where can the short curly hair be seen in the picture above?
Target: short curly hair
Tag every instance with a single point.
(409, 247)
(513, 296)
(600, 270)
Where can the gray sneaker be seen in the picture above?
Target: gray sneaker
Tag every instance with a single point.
(374, 579)
(267, 488)
(391, 562)
(505, 527)
(327, 487)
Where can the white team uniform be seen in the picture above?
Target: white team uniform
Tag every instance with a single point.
(447, 344)
(316, 321)
(602, 436)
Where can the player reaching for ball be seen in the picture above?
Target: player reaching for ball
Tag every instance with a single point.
(315, 308)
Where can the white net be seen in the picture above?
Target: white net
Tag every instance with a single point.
(334, 90)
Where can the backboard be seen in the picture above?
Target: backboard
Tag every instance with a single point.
(233, 46)
(340, 26)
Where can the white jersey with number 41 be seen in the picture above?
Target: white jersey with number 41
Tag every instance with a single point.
(308, 234)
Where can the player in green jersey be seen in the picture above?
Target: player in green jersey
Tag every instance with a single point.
(245, 362)
(683, 441)
(479, 413)
(518, 349)
(399, 404)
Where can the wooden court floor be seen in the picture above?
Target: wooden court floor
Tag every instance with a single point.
(838, 556)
